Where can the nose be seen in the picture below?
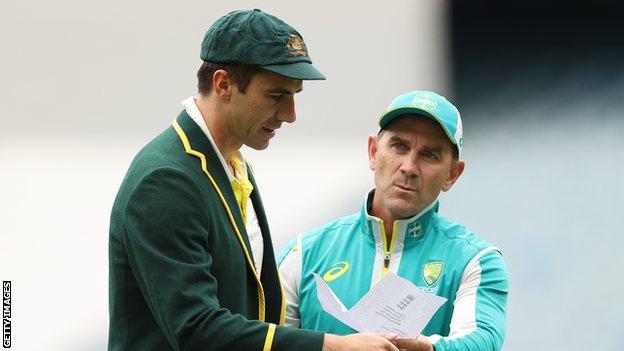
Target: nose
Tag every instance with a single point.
(287, 112)
(409, 166)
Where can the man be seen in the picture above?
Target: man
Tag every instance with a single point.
(415, 156)
(192, 266)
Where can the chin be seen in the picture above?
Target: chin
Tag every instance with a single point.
(259, 146)
(402, 209)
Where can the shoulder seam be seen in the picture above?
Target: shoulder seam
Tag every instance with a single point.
(476, 258)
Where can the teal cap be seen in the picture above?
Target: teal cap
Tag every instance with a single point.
(427, 104)
(256, 38)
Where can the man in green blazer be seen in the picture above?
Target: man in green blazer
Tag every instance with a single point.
(191, 261)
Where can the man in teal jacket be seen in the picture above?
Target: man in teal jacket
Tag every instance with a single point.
(415, 156)
(191, 261)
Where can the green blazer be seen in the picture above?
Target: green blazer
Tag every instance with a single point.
(181, 272)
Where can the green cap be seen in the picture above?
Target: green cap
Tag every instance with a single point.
(427, 104)
(256, 38)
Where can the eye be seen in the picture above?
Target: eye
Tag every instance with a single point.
(277, 97)
(399, 147)
(429, 155)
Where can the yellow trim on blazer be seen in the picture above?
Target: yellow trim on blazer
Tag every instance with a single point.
(282, 315)
(268, 341)
(202, 158)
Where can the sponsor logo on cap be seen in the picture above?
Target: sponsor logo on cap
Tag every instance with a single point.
(432, 271)
(425, 102)
(296, 47)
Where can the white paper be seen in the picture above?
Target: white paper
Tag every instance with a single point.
(393, 305)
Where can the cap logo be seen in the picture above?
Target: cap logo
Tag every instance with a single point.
(459, 132)
(296, 47)
(425, 102)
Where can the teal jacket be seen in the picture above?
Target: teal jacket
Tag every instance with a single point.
(181, 272)
(439, 256)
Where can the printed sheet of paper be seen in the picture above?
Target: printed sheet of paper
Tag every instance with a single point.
(393, 305)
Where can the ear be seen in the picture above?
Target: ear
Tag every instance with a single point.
(221, 84)
(456, 170)
(372, 151)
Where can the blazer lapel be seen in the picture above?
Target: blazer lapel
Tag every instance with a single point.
(199, 142)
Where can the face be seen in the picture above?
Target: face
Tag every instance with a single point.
(413, 162)
(253, 117)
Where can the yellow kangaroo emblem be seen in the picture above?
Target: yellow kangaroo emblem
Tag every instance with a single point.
(336, 271)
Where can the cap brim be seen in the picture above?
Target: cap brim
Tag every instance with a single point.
(297, 70)
(393, 114)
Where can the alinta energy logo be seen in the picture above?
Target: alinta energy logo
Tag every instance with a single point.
(6, 314)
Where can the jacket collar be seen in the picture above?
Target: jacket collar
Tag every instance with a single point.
(408, 231)
(199, 143)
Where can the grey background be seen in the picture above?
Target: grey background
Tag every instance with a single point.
(83, 85)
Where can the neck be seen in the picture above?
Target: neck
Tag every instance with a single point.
(215, 118)
(382, 213)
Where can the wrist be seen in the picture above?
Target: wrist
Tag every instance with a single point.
(330, 342)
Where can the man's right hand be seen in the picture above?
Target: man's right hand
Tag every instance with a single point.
(359, 342)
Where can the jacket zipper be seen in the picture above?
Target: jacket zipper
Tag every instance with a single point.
(387, 246)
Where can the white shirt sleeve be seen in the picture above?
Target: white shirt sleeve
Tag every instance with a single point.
(290, 273)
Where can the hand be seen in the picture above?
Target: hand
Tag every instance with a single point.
(419, 343)
(360, 342)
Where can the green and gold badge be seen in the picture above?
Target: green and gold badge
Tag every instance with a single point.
(432, 271)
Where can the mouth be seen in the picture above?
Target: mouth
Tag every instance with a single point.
(269, 131)
(404, 188)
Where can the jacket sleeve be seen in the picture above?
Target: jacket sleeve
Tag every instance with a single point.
(166, 233)
(478, 321)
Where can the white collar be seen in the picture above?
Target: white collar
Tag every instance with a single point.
(190, 105)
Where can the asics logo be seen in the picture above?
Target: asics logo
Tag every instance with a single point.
(337, 270)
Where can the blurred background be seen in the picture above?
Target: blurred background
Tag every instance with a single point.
(84, 85)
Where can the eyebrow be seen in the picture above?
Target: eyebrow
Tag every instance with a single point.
(435, 149)
(397, 138)
(284, 91)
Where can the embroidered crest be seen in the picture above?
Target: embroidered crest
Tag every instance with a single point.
(432, 271)
(296, 46)
(414, 229)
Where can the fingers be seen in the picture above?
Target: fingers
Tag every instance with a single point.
(388, 336)
(407, 343)
(392, 347)
(414, 344)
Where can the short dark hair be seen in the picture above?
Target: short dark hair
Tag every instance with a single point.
(241, 75)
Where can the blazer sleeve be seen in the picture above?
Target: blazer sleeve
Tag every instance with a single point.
(166, 233)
